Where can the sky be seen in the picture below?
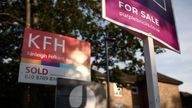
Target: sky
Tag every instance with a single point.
(172, 64)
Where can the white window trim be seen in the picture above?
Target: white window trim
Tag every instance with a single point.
(118, 91)
(119, 105)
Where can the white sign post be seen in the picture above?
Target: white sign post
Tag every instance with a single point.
(144, 17)
(151, 73)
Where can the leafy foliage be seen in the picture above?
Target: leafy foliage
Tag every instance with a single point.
(80, 19)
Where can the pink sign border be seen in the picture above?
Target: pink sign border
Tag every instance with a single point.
(140, 33)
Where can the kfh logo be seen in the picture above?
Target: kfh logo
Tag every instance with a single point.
(82, 97)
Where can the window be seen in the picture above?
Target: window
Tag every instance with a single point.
(135, 90)
(118, 91)
(119, 105)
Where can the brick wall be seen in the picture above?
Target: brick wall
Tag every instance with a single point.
(169, 95)
(125, 99)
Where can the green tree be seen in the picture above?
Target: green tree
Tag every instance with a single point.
(75, 18)
(78, 19)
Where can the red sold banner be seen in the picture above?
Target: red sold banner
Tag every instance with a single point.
(47, 56)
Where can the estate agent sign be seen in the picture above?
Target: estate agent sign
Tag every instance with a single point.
(150, 20)
(79, 94)
(47, 56)
(145, 17)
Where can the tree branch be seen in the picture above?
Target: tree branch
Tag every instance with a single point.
(14, 17)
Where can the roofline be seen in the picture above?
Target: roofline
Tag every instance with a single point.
(167, 79)
(161, 78)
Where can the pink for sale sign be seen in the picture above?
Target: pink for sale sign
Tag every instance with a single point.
(144, 18)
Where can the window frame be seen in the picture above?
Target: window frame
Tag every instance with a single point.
(118, 91)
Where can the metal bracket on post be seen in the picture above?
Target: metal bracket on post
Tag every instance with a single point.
(151, 73)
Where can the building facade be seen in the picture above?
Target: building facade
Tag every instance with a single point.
(134, 95)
